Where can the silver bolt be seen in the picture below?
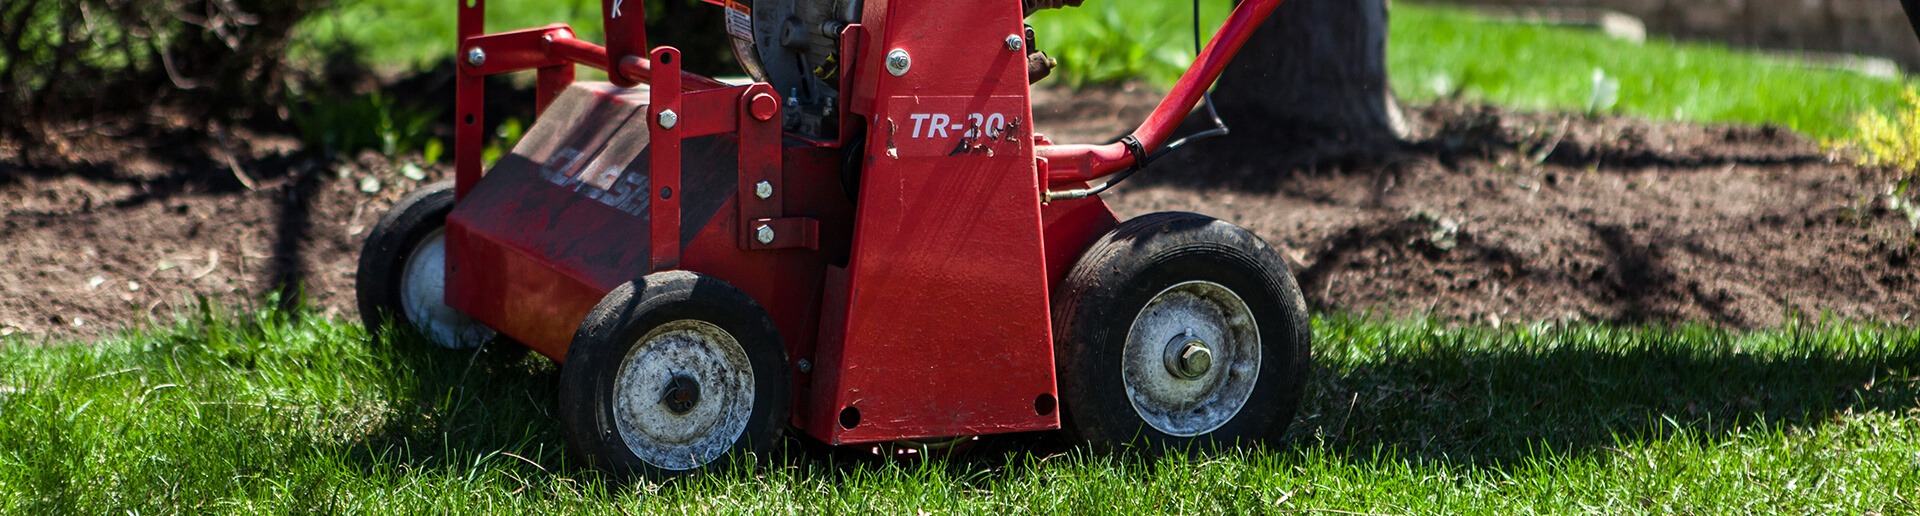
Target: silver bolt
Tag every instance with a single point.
(898, 62)
(805, 366)
(668, 119)
(764, 234)
(763, 190)
(1014, 42)
(1187, 356)
(476, 56)
(1196, 360)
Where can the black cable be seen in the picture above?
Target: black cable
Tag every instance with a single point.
(1219, 126)
(1140, 156)
(1140, 159)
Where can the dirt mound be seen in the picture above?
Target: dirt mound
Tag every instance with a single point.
(1502, 216)
(117, 244)
(1492, 217)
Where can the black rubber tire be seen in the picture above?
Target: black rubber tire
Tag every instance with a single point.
(616, 325)
(376, 284)
(1113, 281)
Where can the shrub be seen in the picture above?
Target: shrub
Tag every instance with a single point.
(78, 60)
(1886, 141)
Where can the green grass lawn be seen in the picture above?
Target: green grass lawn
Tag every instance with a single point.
(277, 412)
(263, 413)
(1433, 52)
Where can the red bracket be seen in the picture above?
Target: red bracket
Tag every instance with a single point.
(626, 25)
(760, 190)
(664, 114)
(483, 55)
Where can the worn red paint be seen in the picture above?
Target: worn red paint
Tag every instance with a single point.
(927, 311)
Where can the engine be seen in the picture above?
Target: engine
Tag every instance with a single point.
(794, 45)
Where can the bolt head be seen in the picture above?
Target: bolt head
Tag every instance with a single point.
(668, 119)
(1187, 356)
(476, 56)
(1195, 360)
(763, 190)
(1014, 42)
(805, 366)
(898, 62)
(764, 234)
(763, 107)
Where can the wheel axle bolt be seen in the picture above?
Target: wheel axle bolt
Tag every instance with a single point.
(1187, 356)
(1195, 360)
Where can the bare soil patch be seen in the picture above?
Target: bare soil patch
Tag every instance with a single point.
(1493, 217)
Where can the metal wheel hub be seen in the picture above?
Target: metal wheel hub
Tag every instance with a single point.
(1188, 356)
(683, 394)
(423, 287)
(680, 395)
(1191, 359)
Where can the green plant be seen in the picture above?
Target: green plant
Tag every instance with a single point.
(1891, 142)
(1880, 140)
(84, 60)
(505, 137)
(349, 124)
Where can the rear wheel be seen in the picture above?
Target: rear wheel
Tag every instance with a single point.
(1177, 329)
(402, 273)
(674, 373)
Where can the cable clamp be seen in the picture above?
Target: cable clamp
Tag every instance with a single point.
(1138, 151)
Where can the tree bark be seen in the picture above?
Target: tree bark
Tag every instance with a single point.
(1312, 83)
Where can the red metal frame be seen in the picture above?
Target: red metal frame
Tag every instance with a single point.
(926, 312)
(1081, 163)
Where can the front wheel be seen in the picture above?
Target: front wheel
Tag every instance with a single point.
(674, 373)
(1177, 329)
(403, 272)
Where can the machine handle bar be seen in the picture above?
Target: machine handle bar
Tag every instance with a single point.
(1071, 164)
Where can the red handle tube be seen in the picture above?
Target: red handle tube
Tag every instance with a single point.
(1069, 164)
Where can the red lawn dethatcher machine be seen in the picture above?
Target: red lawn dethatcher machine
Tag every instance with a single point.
(868, 244)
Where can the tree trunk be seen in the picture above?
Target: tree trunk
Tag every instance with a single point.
(1311, 84)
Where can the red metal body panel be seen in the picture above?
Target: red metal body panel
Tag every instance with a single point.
(945, 328)
(566, 217)
(1071, 226)
(927, 314)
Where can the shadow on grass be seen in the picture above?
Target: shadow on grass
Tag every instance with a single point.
(453, 409)
(1449, 399)
(1464, 397)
